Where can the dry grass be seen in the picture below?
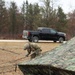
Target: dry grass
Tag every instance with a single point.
(10, 52)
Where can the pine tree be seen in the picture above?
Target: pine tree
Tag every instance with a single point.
(3, 14)
(23, 11)
(13, 19)
(48, 13)
(37, 16)
(62, 21)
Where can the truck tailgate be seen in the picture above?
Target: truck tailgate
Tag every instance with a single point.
(25, 34)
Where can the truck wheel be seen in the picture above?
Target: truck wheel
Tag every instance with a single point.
(35, 39)
(55, 41)
(61, 39)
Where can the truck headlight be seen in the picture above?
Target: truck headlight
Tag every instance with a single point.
(64, 34)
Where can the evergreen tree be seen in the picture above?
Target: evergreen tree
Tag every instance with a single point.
(62, 21)
(48, 13)
(23, 10)
(3, 15)
(26, 15)
(37, 16)
(13, 19)
(33, 16)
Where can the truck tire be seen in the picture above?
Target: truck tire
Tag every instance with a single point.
(61, 39)
(35, 39)
(54, 41)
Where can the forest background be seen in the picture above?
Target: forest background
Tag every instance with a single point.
(14, 19)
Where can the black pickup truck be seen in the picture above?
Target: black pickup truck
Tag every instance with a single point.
(44, 33)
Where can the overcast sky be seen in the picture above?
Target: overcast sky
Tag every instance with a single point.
(67, 5)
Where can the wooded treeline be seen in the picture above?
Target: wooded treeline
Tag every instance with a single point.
(30, 16)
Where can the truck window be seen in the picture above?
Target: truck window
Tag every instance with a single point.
(52, 31)
(46, 30)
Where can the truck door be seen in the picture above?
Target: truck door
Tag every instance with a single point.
(44, 34)
(53, 34)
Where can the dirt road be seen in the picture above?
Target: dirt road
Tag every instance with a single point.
(11, 52)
